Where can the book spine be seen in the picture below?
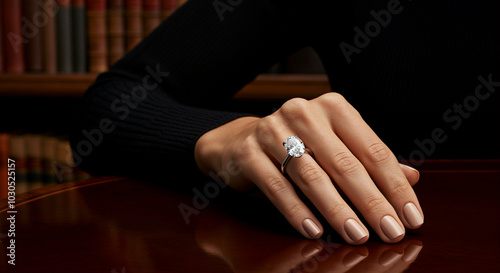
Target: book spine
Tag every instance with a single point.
(167, 8)
(31, 30)
(14, 40)
(116, 30)
(97, 34)
(49, 44)
(133, 23)
(79, 36)
(64, 39)
(151, 15)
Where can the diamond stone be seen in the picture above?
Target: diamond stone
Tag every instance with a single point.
(294, 146)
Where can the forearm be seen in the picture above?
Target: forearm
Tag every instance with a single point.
(155, 101)
(112, 135)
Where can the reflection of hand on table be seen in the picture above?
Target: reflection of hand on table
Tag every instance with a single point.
(249, 247)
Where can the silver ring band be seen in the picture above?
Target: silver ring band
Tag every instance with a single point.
(285, 162)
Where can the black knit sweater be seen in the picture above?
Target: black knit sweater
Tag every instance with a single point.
(425, 75)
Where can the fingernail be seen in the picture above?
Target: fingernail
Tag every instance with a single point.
(413, 170)
(354, 230)
(390, 227)
(311, 228)
(412, 215)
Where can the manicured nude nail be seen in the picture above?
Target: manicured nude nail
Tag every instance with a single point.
(409, 167)
(413, 170)
(311, 228)
(412, 215)
(390, 227)
(354, 230)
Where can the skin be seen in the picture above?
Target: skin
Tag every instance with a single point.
(348, 156)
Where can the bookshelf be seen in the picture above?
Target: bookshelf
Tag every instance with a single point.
(265, 86)
(45, 85)
(42, 78)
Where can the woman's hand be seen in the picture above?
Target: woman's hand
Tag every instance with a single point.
(346, 155)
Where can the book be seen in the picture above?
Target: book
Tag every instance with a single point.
(151, 15)
(64, 37)
(31, 25)
(97, 35)
(14, 40)
(79, 33)
(133, 23)
(41, 159)
(49, 36)
(168, 7)
(116, 30)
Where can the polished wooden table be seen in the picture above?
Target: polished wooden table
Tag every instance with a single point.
(120, 225)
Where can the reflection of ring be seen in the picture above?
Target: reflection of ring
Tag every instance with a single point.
(295, 148)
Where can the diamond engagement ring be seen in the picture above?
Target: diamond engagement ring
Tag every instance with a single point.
(295, 148)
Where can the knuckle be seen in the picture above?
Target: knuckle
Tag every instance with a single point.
(267, 124)
(336, 210)
(310, 174)
(345, 163)
(399, 189)
(293, 211)
(373, 204)
(378, 152)
(275, 186)
(246, 151)
(295, 109)
(335, 101)
(266, 128)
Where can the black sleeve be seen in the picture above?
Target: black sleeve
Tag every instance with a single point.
(143, 116)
